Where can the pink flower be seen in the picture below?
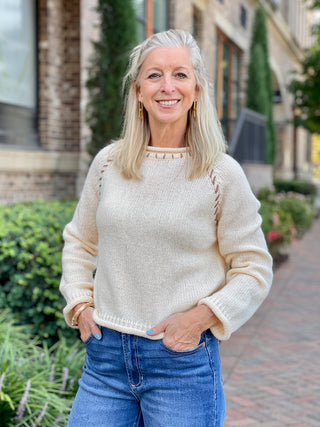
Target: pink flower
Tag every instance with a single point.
(273, 235)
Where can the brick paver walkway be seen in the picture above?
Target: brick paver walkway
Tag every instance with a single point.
(271, 366)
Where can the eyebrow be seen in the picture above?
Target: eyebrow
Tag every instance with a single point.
(175, 69)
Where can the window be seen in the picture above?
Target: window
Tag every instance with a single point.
(275, 4)
(17, 72)
(160, 15)
(141, 19)
(152, 17)
(243, 16)
(228, 63)
(196, 23)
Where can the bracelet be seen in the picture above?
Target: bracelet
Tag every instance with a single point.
(74, 321)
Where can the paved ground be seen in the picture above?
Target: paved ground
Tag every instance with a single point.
(271, 366)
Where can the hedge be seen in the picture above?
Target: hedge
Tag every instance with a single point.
(30, 265)
(296, 186)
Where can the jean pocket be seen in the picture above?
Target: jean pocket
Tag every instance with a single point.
(89, 339)
(182, 352)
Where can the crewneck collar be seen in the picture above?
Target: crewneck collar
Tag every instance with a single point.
(166, 152)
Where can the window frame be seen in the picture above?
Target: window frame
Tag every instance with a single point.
(230, 80)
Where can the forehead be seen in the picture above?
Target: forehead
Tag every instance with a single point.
(168, 57)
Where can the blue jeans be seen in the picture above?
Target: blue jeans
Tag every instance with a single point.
(133, 381)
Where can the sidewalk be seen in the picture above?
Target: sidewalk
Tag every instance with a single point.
(271, 366)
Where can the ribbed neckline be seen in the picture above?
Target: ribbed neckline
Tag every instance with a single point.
(167, 152)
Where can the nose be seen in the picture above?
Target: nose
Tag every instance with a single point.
(167, 84)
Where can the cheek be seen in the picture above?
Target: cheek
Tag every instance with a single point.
(145, 94)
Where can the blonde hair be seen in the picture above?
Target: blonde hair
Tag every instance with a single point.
(204, 135)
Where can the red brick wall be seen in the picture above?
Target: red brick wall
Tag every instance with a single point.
(20, 187)
(59, 74)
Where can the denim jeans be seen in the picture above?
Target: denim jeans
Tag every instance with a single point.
(133, 381)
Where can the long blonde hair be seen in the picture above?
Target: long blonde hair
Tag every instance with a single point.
(204, 135)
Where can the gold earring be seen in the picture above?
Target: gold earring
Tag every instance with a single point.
(140, 112)
(195, 109)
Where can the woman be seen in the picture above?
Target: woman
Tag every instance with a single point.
(172, 228)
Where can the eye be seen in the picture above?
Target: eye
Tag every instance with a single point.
(153, 76)
(181, 75)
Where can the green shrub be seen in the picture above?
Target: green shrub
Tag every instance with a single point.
(30, 265)
(277, 225)
(302, 187)
(301, 211)
(285, 216)
(265, 192)
(37, 383)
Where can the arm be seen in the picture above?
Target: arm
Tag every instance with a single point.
(242, 244)
(80, 248)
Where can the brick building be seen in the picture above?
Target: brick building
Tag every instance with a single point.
(45, 46)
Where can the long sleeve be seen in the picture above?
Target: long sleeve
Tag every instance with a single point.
(81, 238)
(242, 244)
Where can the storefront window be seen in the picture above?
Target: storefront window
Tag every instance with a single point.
(17, 53)
(17, 71)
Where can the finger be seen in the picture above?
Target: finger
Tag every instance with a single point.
(156, 330)
(96, 331)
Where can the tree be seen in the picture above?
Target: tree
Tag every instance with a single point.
(259, 89)
(306, 86)
(107, 68)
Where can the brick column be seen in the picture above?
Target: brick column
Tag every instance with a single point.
(59, 74)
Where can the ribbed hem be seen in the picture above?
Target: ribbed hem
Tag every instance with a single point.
(124, 326)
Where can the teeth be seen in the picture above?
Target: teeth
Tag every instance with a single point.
(168, 102)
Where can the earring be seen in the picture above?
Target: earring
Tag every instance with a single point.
(140, 111)
(195, 109)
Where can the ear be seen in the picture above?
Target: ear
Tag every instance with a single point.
(138, 90)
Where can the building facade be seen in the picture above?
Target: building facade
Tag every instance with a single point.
(45, 47)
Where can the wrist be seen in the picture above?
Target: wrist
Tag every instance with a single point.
(77, 310)
(204, 317)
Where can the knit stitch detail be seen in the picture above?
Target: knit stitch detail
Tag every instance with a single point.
(102, 171)
(217, 193)
(167, 153)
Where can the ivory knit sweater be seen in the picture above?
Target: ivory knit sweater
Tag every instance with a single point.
(164, 244)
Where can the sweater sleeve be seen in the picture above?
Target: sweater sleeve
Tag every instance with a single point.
(80, 243)
(242, 245)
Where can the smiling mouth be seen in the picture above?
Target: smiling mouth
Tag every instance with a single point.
(175, 101)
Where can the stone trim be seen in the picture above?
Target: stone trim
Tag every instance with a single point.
(35, 161)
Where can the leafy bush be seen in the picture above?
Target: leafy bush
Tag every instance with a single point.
(37, 383)
(300, 209)
(30, 265)
(301, 187)
(277, 225)
(285, 217)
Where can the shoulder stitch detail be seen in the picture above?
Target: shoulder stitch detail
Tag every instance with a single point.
(101, 172)
(216, 187)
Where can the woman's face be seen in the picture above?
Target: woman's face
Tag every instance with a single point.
(167, 86)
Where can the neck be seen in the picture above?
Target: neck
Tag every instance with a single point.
(170, 135)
